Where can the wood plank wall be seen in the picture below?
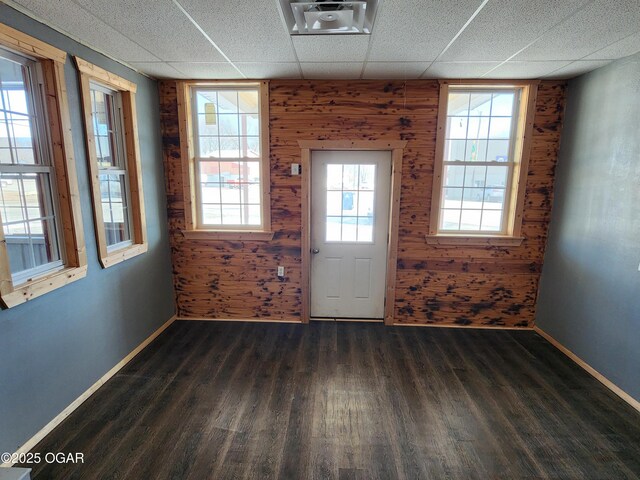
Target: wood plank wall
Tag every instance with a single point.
(444, 285)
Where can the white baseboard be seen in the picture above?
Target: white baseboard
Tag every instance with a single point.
(33, 441)
(592, 371)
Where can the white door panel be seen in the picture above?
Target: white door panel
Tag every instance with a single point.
(349, 231)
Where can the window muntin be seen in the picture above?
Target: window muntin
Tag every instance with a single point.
(478, 164)
(107, 128)
(27, 177)
(108, 134)
(37, 172)
(350, 203)
(226, 125)
(113, 154)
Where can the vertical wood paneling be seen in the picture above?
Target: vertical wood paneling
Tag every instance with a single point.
(459, 285)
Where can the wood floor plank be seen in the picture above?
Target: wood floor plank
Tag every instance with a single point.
(339, 401)
(296, 463)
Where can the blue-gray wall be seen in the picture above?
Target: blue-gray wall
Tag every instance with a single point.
(56, 346)
(590, 286)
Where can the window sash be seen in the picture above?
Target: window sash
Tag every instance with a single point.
(126, 233)
(32, 80)
(118, 166)
(510, 164)
(199, 160)
(228, 226)
(41, 169)
(115, 134)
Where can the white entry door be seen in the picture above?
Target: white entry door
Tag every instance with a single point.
(349, 233)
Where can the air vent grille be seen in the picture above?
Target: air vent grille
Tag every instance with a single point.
(329, 17)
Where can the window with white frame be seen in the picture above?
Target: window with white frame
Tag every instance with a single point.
(28, 200)
(230, 157)
(108, 131)
(113, 155)
(41, 239)
(480, 158)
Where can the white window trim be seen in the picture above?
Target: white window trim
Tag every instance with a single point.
(514, 195)
(190, 173)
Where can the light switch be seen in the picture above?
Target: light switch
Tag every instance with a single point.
(295, 169)
(281, 271)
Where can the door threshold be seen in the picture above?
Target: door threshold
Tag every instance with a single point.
(334, 319)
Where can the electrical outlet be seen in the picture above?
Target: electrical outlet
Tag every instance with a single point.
(281, 271)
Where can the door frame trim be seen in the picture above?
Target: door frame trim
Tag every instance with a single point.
(396, 147)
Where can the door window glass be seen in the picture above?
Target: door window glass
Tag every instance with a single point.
(350, 201)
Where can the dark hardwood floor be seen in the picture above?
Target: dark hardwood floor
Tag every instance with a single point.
(348, 401)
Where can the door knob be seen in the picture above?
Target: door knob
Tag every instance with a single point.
(315, 250)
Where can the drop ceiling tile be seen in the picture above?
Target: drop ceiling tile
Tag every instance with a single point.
(459, 69)
(159, 26)
(333, 70)
(394, 70)
(503, 27)
(269, 70)
(415, 30)
(622, 48)
(206, 70)
(593, 28)
(93, 32)
(577, 68)
(331, 48)
(245, 30)
(158, 69)
(526, 69)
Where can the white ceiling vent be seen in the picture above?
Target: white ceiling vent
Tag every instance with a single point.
(329, 17)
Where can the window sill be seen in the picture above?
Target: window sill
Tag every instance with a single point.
(34, 288)
(228, 235)
(496, 240)
(123, 254)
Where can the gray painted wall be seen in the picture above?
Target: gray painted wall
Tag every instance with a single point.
(590, 286)
(56, 346)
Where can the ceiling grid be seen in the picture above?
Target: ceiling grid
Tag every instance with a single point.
(410, 39)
